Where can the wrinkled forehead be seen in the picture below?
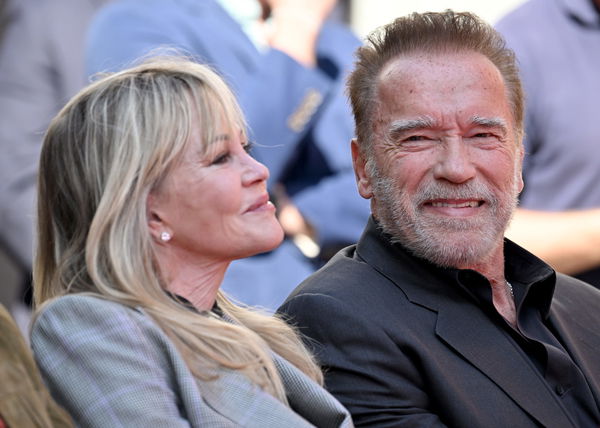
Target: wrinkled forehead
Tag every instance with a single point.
(443, 82)
(420, 68)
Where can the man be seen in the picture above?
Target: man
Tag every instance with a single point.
(288, 72)
(557, 43)
(433, 319)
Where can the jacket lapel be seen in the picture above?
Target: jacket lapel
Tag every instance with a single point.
(309, 399)
(467, 331)
(578, 330)
(237, 399)
(465, 328)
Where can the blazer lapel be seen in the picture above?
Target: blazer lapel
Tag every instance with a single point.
(309, 399)
(234, 397)
(496, 356)
(464, 328)
(578, 332)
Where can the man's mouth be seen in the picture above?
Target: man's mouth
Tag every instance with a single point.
(465, 204)
(457, 208)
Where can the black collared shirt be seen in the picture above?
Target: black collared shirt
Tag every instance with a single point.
(215, 310)
(533, 283)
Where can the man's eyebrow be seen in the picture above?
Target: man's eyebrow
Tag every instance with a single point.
(490, 122)
(398, 127)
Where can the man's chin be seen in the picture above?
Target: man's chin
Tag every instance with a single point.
(454, 249)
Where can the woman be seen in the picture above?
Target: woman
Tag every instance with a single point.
(146, 194)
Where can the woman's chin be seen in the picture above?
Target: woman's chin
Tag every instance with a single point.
(270, 238)
(275, 238)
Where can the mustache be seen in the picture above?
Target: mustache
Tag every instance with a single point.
(469, 190)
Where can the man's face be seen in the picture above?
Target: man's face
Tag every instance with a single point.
(445, 171)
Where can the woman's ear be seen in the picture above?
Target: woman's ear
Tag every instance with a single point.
(156, 225)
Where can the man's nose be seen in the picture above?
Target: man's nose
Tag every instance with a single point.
(454, 163)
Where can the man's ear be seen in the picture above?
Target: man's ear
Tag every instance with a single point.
(520, 157)
(363, 180)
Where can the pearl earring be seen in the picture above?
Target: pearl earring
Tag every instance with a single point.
(165, 236)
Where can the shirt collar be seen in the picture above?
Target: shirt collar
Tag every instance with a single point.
(532, 279)
(215, 310)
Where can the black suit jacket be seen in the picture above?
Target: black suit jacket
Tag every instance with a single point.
(403, 348)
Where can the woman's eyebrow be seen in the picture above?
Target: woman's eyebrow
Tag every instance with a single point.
(221, 137)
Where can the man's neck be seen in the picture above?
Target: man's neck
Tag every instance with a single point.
(492, 267)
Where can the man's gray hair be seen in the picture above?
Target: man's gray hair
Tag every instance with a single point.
(430, 32)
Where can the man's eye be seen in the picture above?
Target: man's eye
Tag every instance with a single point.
(483, 135)
(415, 138)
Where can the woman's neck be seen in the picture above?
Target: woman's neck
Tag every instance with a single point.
(195, 280)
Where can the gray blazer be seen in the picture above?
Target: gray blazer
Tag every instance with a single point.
(111, 366)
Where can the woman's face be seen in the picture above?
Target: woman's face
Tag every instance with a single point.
(215, 205)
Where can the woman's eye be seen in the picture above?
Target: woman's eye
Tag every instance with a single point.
(220, 159)
(248, 147)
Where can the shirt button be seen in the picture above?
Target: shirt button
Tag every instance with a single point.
(560, 390)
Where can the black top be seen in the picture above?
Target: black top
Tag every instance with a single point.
(533, 284)
(407, 343)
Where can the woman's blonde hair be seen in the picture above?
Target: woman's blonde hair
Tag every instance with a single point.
(103, 154)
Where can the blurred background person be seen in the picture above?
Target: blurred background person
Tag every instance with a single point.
(24, 400)
(41, 67)
(557, 43)
(146, 194)
(4, 17)
(287, 62)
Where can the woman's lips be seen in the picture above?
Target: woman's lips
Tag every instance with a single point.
(261, 204)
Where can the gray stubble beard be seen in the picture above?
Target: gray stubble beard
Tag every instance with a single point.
(442, 241)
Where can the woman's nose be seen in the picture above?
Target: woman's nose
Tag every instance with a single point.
(254, 170)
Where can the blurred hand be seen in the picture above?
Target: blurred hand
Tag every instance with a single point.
(315, 9)
(295, 26)
(291, 219)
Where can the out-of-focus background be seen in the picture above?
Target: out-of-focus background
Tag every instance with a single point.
(365, 15)
(362, 16)
(49, 49)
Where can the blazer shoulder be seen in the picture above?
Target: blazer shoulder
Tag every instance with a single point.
(78, 313)
(343, 273)
(574, 292)
(347, 284)
(84, 301)
(576, 302)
